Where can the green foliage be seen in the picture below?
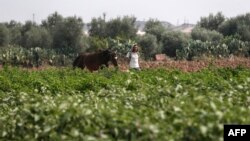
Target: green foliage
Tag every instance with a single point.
(237, 26)
(56, 32)
(65, 37)
(155, 27)
(37, 37)
(68, 34)
(206, 35)
(149, 45)
(199, 49)
(97, 43)
(212, 22)
(237, 47)
(116, 28)
(66, 104)
(172, 41)
(4, 35)
(97, 27)
(121, 27)
(15, 32)
(31, 57)
(52, 22)
(224, 48)
(121, 46)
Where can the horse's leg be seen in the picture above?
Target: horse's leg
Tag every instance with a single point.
(79, 62)
(104, 65)
(82, 66)
(76, 62)
(107, 65)
(82, 63)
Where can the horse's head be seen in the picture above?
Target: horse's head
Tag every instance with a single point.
(111, 56)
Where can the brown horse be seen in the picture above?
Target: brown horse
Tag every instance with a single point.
(95, 61)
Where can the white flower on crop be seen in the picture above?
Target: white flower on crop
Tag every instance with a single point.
(88, 112)
(162, 114)
(177, 109)
(128, 81)
(178, 87)
(213, 105)
(153, 128)
(4, 133)
(75, 132)
(63, 106)
(248, 79)
(203, 129)
(240, 87)
(219, 114)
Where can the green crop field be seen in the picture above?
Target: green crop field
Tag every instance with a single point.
(153, 104)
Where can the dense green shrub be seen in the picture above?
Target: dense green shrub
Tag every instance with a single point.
(237, 47)
(212, 22)
(237, 26)
(155, 27)
(206, 35)
(18, 56)
(67, 104)
(115, 28)
(122, 27)
(199, 49)
(149, 46)
(4, 35)
(172, 41)
(213, 36)
(96, 43)
(121, 46)
(37, 37)
(15, 32)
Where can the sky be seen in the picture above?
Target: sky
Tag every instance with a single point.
(173, 11)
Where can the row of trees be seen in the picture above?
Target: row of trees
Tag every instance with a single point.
(214, 35)
(63, 37)
(55, 32)
(221, 36)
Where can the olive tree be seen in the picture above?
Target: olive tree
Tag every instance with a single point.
(154, 27)
(15, 32)
(119, 27)
(37, 37)
(122, 27)
(212, 22)
(4, 35)
(206, 35)
(172, 41)
(149, 46)
(238, 26)
(97, 27)
(66, 33)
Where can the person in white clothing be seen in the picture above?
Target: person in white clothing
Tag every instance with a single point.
(133, 58)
